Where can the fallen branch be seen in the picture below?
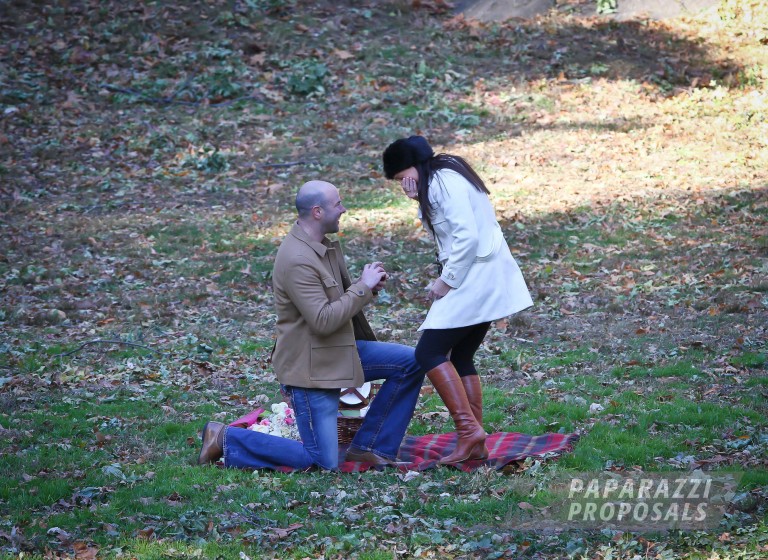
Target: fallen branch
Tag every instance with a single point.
(286, 164)
(102, 341)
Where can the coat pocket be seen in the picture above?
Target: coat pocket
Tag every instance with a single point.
(490, 247)
(332, 363)
(332, 288)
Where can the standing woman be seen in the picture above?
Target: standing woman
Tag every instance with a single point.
(479, 280)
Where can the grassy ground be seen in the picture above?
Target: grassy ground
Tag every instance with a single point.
(149, 154)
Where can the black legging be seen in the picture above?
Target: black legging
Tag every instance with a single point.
(462, 343)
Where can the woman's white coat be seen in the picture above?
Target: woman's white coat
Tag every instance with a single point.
(487, 282)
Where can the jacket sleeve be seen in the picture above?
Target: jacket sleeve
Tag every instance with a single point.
(456, 205)
(362, 328)
(308, 289)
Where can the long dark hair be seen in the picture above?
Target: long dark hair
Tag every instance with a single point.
(427, 170)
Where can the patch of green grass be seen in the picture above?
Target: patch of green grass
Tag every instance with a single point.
(753, 478)
(683, 369)
(758, 381)
(254, 346)
(512, 358)
(750, 359)
(501, 409)
(571, 357)
(30, 363)
(169, 238)
(406, 111)
(535, 413)
(154, 550)
(659, 431)
(379, 199)
(684, 412)
(466, 509)
(604, 443)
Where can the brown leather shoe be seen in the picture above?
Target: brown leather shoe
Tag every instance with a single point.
(370, 458)
(213, 443)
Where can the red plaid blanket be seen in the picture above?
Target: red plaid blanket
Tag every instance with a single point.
(424, 452)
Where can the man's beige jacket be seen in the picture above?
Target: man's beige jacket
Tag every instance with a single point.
(319, 315)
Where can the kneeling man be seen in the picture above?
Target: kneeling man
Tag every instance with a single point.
(324, 343)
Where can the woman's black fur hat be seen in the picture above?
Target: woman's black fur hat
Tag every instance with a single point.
(404, 153)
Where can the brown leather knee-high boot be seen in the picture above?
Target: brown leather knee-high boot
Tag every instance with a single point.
(471, 442)
(474, 395)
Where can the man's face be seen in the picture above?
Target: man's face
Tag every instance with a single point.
(332, 211)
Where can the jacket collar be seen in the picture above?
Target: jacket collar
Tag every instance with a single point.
(320, 248)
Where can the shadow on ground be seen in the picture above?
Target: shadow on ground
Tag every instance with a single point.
(91, 91)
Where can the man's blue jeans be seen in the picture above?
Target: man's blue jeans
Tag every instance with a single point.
(391, 410)
(316, 411)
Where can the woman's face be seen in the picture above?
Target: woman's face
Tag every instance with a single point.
(409, 179)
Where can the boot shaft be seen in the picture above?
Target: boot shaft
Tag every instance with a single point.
(474, 390)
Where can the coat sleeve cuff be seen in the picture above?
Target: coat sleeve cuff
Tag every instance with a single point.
(359, 289)
(454, 277)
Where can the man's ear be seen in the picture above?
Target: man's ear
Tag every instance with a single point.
(316, 210)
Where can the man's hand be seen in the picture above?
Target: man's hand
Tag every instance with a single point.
(438, 289)
(383, 281)
(374, 276)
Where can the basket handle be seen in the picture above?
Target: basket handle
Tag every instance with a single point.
(354, 391)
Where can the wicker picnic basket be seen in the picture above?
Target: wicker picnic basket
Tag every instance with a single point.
(351, 400)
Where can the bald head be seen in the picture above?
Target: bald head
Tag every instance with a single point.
(319, 206)
(311, 194)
